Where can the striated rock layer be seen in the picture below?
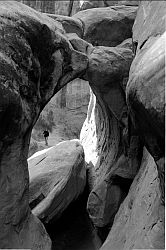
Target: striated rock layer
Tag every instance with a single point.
(36, 61)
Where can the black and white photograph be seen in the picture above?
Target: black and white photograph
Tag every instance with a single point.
(82, 124)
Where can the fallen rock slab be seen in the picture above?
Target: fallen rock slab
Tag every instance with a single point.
(57, 177)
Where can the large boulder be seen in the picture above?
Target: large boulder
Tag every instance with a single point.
(36, 61)
(57, 177)
(146, 85)
(139, 223)
(107, 26)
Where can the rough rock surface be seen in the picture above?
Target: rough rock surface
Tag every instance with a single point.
(113, 135)
(57, 177)
(146, 86)
(106, 153)
(69, 106)
(36, 60)
(107, 69)
(110, 149)
(139, 223)
(107, 26)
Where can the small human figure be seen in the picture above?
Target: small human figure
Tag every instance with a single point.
(46, 135)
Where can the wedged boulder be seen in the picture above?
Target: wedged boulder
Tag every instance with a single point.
(139, 223)
(57, 177)
(146, 86)
(80, 44)
(107, 26)
(36, 60)
(107, 68)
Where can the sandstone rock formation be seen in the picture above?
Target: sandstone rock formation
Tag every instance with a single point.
(36, 61)
(122, 135)
(146, 86)
(57, 177)
(113, 147)
(112, 152)
(107, 69)
(69, 106)
(139, 223)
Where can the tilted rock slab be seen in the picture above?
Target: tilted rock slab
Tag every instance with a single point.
(57, 177)
(36, 61)
(139, 223)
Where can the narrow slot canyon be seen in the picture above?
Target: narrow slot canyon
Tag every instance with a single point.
(82, 154)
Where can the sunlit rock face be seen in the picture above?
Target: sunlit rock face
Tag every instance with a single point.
(33, 49)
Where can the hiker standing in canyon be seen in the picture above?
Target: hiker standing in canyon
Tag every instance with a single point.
(46, 135)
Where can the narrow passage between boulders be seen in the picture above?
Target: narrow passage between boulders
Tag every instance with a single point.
(74, 231)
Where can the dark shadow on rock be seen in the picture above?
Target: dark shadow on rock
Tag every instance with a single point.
(74, 230)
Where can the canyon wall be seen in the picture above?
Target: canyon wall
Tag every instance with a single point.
(116, 130)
